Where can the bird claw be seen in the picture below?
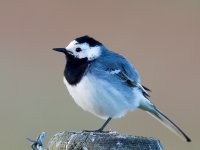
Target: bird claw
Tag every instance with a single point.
(96, 131)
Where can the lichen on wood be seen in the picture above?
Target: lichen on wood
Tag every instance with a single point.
(101, 141)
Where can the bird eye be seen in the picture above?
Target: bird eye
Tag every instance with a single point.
(78, 49)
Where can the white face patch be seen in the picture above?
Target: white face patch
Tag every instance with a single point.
(86, 51)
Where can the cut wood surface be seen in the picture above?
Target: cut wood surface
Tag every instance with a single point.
(101, 141)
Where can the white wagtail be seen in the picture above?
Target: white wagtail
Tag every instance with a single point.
(106, 84)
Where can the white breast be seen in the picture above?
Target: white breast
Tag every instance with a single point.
(100, 97)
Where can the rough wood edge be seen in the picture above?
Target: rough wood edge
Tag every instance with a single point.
(101, 141)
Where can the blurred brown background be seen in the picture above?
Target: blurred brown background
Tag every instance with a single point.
(161, 38)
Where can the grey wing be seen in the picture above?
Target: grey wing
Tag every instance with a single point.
(122, 75)
(132, 78)
(119, 67)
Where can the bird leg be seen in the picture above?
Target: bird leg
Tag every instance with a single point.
(101, 128)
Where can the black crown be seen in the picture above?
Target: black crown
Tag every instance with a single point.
(86, 39)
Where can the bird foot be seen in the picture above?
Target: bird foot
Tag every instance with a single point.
(96, 131)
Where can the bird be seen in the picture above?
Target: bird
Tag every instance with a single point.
(104, 83)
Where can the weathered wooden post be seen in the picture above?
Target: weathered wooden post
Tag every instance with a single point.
(101, 141)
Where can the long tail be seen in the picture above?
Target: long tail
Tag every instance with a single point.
(153, 111)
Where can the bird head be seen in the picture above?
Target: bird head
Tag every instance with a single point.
(83, 47)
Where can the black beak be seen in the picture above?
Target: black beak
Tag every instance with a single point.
(63, 50)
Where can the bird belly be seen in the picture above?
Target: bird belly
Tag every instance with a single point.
(101, 98)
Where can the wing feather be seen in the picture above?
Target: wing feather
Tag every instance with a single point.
(118, 66)
(129, 82)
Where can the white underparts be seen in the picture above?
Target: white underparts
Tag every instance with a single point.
(101, 98)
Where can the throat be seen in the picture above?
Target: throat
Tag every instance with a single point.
(75, 70)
